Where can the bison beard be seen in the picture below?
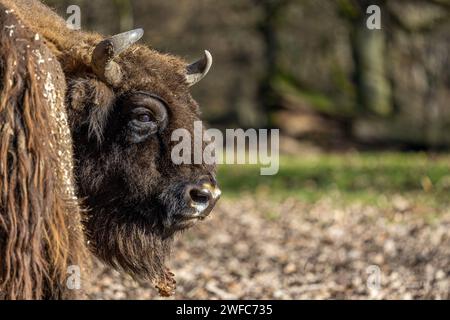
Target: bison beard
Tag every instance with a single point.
(128, 244)
(137, 238)
(129, 239)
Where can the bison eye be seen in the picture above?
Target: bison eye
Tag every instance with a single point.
(144, 118)
(145, 114)
(142, 124)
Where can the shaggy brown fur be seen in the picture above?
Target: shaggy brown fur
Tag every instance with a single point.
(40, 233)
(135, 196)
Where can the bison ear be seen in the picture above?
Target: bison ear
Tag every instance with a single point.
(104, 53)
(199, 69)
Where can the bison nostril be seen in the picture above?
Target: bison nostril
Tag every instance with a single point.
(200, 196)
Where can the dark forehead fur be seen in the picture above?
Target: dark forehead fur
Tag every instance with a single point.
(162, 74)
(147, 70)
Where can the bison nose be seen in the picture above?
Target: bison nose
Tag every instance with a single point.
(202, 198)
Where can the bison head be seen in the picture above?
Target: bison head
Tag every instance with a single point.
(123, 109)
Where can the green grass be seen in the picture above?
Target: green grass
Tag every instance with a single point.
(365, 177)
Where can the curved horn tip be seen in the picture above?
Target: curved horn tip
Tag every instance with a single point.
(198, 70)
(133, 35)
(209, 62)
(136, 34)
(208, 56)
(124, 40)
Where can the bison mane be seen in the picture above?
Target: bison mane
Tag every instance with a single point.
(40, 229)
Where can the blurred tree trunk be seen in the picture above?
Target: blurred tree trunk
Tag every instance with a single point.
(125, 12)
(369, 52)
(374, 92)
(269, 25)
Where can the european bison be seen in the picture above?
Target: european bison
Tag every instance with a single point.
(121, 102)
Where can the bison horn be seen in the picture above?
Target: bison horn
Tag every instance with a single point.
(105, 52)
(198, 70)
